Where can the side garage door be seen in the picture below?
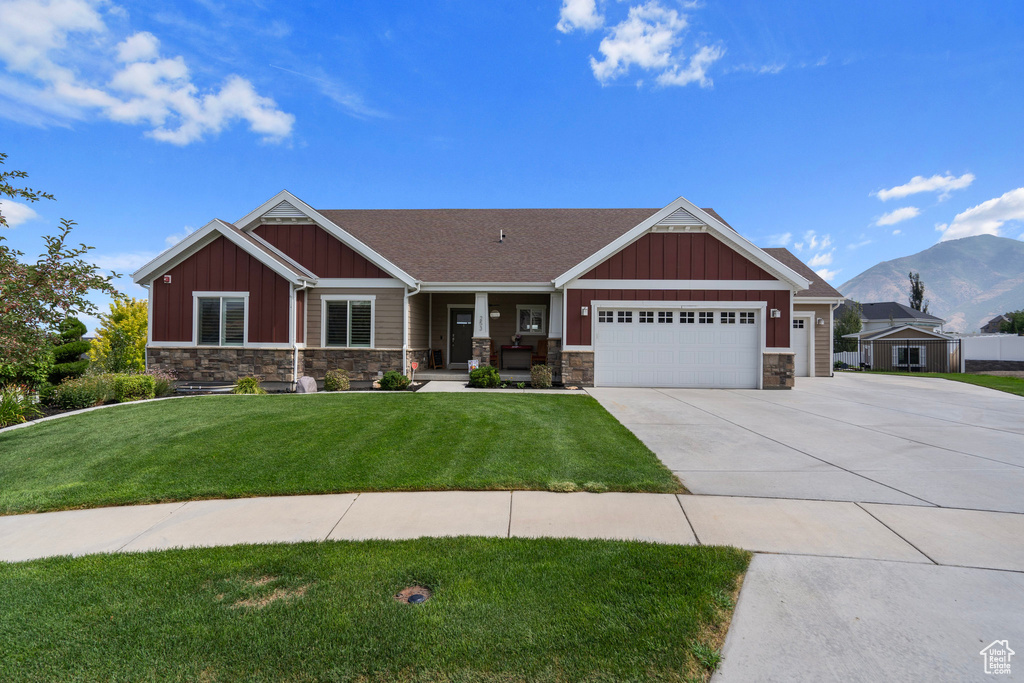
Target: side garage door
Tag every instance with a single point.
(648, 347)
(801, 347)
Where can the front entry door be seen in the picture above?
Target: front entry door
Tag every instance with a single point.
(460, 335)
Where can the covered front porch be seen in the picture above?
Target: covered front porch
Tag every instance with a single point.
(512, 331)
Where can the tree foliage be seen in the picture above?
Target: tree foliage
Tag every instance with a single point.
(847, 323)
(1015, 324)
(36, 297)
(120, 343)
(67, 357)
(917, 300)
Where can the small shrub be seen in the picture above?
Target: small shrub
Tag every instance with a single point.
(520, 385)
(163, 382)
(336, 380)
(540, 377)
(133, 388)
(485, 377)
(16, 405)
(83, 392)
(248, 385)
(393, 381)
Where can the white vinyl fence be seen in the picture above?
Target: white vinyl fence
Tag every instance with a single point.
(851, 358)
(995, 347)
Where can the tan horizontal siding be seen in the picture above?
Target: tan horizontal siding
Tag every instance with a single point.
(419, 307)
(387, 323)
(822, 348)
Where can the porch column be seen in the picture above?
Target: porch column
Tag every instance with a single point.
(554, 350)
(481, 330)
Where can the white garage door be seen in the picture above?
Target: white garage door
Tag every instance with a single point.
(648, 347)
(801, 347)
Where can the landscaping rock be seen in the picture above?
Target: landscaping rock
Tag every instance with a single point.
(305, 385)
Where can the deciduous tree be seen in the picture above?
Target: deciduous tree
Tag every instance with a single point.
(36, 297)
(120, 343)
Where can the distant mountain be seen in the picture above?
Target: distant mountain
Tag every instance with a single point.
(967, 281)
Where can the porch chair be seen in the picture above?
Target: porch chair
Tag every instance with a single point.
(540, 354)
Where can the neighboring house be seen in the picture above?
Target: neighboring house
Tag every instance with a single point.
(993, 325)
(889, 314)
(608, 297)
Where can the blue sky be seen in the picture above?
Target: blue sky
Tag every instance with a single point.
(849, 132)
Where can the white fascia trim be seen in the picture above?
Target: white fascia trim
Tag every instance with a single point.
(720, 230)
(199, 238)
(493, 287)
(818, 300)
(745, 285)
(869, 336)
(366, 283)
(252, 218)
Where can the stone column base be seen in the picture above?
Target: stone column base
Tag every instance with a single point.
(779, 370)
(482, 350)
(555, 359)
(578, 368)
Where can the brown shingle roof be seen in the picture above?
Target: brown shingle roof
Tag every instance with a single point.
(818, 288)
(461, 245)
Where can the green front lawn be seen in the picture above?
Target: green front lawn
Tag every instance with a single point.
(236, 446)
(503, 610)
(1011, 385)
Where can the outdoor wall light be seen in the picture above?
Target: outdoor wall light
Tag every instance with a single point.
(821, 321)
(495, 314)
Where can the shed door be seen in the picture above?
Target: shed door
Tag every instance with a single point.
(648, 347)
(801, 347)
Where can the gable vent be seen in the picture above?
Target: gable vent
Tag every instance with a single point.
(681, 217)
(284, 210)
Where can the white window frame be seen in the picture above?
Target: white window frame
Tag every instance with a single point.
(244, 296)
(543, 319)
(328, 298)
(921, 349)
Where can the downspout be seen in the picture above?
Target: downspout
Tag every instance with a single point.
(831, 340)
(295, 344)
(405, 328)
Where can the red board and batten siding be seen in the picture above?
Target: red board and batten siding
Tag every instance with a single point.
(319, 252)
(671, 256)
(221, 267)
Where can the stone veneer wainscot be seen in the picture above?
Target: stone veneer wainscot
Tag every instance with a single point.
(779, 370)
(222, 364)
(578, 368)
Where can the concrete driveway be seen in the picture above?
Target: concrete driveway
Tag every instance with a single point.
(852, 437)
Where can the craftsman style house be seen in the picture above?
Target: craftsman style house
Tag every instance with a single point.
(670, 297)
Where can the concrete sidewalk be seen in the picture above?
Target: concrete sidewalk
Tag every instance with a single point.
(924, 535)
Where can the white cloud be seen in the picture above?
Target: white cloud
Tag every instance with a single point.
(176, 237)
(896, 232)
(17, 213)
(826, 274)
(579, 14)
(649, 38)
(64, 63)
(780, 240)
(986, 218)
(862, 243)
(937, 183)
(124, 263)
(813, 242)
(696, 71)
(351, 102)
(822, 259)
(899, 215)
